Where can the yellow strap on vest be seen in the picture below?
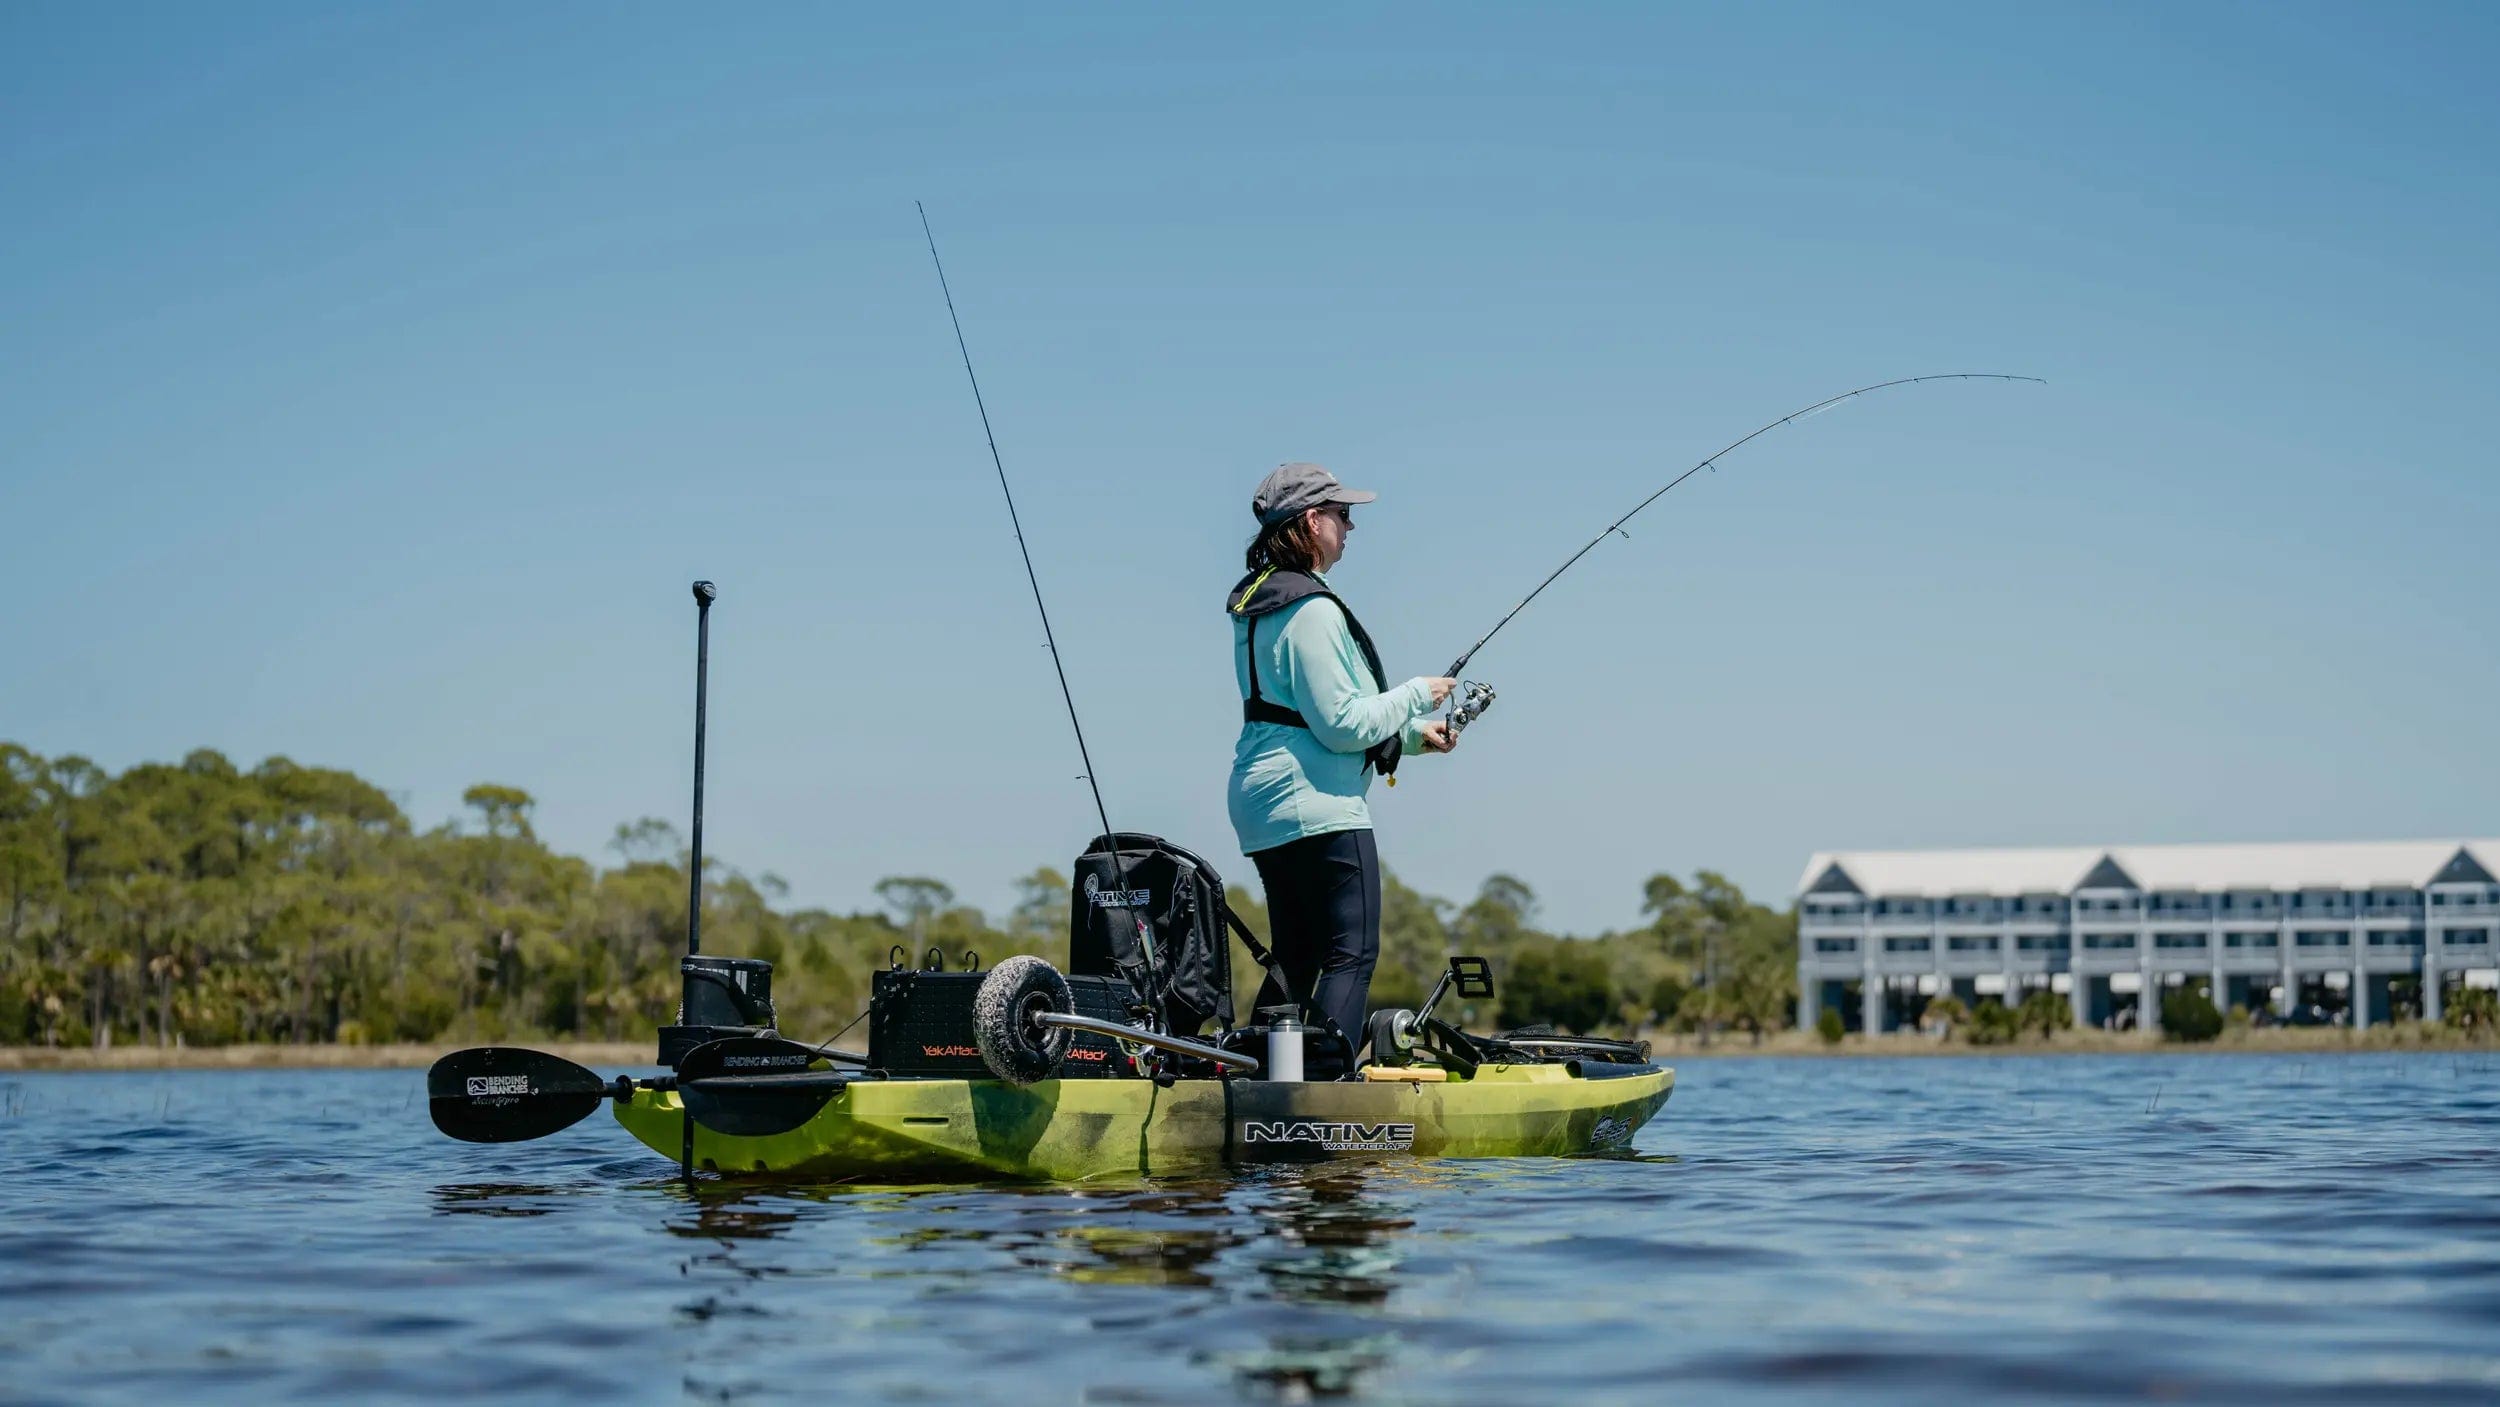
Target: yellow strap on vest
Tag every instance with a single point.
(1252, 589)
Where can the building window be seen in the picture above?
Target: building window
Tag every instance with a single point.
(2110, 942)
(2401, 938)
(2468, 938)
(2249, 940)
(1835, 945)
(2043, 943)
(2325, 939)
(2179, 940)
(1972, 945)
(1905, 945)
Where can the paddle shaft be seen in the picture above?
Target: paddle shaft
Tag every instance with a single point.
(1175, 1044)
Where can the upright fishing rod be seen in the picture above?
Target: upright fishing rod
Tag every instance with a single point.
(1119, 869)
(1083, 755)
(1617, 525)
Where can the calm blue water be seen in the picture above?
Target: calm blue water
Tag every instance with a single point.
(2181, 1228)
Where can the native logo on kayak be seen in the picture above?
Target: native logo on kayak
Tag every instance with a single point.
(489, 1086)
(1102, 898)
(1610, 1130)
(1334, 1137)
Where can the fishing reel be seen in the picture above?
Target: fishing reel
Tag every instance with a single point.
(1468, 704)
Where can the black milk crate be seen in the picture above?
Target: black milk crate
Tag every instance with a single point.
(920, 1023)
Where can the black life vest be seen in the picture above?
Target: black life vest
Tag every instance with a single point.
(1265, 592)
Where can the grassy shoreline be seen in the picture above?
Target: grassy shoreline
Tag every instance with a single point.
(1666, 1046)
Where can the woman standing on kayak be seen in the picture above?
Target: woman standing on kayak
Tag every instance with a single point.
(1318, 718)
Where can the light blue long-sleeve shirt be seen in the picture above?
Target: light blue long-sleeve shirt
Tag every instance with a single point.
(1288, 782)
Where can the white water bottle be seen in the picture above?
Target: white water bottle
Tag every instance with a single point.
(1284, 1048)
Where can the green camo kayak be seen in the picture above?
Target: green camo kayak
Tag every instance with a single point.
(1061, 1130)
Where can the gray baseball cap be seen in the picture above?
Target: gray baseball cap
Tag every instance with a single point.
(1294, 487)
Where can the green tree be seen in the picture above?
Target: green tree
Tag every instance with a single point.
(1415, 945)
(2475, 1009)
(2046, 1012)
(504, 811)
(1560, 982)
(1667, 997)
(1991, 1023)
(1947, 1012)
(1041, 911)
(915, 900)
(2187, 1014)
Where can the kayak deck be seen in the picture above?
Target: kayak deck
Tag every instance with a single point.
(1064, 1130)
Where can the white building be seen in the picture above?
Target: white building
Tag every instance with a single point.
(2357, 926)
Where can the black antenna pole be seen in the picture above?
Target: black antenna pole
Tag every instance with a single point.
(1617, 525)
(703, 594)
(1083, 755)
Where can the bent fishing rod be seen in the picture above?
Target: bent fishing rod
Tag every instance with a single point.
(1119, 870)
(1468, 700)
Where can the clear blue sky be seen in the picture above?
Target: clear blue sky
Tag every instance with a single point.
(374, 379)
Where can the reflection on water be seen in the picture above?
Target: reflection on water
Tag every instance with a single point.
(1323, 1236)
(2041, 1229)
(496, 1199)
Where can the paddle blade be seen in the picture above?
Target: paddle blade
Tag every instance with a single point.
(502, 1094)
(754, 1086)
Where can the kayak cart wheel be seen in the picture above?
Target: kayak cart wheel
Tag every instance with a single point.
(1017, 1048)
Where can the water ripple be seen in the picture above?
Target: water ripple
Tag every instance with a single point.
(2190, 1229)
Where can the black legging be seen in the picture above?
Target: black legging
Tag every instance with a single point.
(1323, 915)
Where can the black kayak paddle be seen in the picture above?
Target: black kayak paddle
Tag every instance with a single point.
(755, 1086)
(744, 1086)
(503, 1094)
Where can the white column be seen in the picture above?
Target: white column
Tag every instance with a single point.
(2289, 996)
(2007, 943)
(1870, 986)
(2147, 996)
(2214, 949)
(1809, 998)
(2432, 935)
(2360, 977)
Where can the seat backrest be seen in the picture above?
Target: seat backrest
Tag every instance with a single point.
(1123, 877)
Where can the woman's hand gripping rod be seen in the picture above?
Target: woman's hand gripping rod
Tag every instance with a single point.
(1468, 704)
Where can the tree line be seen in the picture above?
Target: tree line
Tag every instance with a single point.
(202, 903)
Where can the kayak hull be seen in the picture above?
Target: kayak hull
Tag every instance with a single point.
(1068, 1130)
